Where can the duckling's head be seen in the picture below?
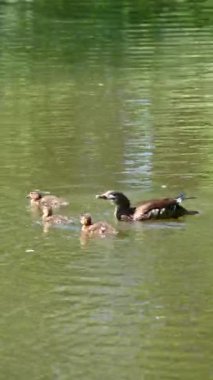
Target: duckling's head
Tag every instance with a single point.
(35, 195)
(86, 220)
(119, 199)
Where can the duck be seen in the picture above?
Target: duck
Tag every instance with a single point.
(165, 208)
(96, 229)
(38, 198)
(49, 218)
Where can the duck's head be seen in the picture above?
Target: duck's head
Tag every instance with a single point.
(86, 220)
(35, 195)
(119, 199)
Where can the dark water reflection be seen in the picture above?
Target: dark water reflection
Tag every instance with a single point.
(94, 98)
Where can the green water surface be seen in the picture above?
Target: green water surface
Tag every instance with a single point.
(99, 96)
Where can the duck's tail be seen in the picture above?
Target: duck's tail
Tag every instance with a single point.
(192, 212)
(182, 197)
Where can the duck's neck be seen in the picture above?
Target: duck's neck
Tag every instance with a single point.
(44, 217)
(122, 210)
(35, 202)
(38, 198)
(47, 214)
(86, 227)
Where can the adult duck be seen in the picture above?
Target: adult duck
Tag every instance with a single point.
(152, 209)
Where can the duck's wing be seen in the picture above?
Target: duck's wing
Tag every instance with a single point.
(102, 228)
(54, 201)
(157, 208)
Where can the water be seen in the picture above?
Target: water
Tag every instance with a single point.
(99, 97)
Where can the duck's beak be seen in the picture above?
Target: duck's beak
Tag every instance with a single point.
(28, 196)
(108, 196)
(101, 196)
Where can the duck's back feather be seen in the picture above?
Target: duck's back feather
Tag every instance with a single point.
(159, 208)
(101, 228)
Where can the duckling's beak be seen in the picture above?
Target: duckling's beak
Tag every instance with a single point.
(28, 196)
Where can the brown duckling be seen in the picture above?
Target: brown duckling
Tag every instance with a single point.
(152, 209)
(38, 198)
(96, 229)
(49, 218)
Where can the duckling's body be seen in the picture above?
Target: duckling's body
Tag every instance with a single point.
(38, 199)
(165, 208)
(49, 218)
(96, 229)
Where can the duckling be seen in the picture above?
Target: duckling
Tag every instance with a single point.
(37, 199)
(152, 209)
(96, 229)
(49, 218)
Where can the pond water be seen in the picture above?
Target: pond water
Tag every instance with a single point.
(115, 95)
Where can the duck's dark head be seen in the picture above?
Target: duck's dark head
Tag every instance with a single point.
(119, 199)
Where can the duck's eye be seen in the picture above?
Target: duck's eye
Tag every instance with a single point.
(112, 196)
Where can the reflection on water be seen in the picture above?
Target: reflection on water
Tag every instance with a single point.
(112, 96)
